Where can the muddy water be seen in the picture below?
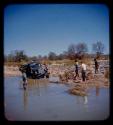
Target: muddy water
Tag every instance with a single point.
(50, 101)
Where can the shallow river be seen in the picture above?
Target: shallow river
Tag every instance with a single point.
(51, 101)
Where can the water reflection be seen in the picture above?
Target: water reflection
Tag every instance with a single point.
(82, 100)
(34, 87)
(86, 104)
(54, 103)
(25, 98)
(78, 98)
(33, 83)
(38, 86)
(97, 90)
(85, 99)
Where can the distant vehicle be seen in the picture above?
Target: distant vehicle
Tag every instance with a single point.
(34, 70)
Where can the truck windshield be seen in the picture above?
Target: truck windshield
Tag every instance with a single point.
(34, 66)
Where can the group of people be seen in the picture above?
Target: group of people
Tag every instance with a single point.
(83, 71)
(84, 68)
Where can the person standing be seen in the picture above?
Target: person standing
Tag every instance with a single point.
(46, 71)
(83, 66)
(24, 78)
(76, 69)
(96, 65)
(45, 67)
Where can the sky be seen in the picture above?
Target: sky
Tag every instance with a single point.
(42, 28)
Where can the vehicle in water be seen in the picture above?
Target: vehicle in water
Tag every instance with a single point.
(35, 70)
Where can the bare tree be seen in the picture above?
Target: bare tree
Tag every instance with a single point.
(34, 58)
(39, 58)
(52, 56)
(45, 57)
(65, 54)
(5, 58)
(20, 55)
(10, 57)
(71, 51)
(98, 48)
(17, 56)
(77, 51)
(61, 56)
(81, 49)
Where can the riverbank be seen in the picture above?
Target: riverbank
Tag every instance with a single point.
(11, 71)
(65, 74)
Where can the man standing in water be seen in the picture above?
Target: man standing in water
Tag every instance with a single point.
(24, 78)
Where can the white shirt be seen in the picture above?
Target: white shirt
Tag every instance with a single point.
(76, 63)
(24, 75)
(83, 66)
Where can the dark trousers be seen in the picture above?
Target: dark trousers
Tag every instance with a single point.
(77, 74)
(83, 75)
(96, 70)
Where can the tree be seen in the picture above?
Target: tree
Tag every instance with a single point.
(98, 48)
(81, 49)
(60, 56)
(77, 51)
(39, 58)
(17, 56)
(71, 51)
(10, 57)
(45, 57)
(5, 58)
(34, 58)
(52, 56)
(20, 55)
(65, 55)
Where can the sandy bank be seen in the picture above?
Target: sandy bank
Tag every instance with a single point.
(11, 71)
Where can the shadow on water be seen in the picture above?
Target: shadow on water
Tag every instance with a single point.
(97, 90)
(41, 100)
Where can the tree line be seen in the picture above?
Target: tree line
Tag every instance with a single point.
(74, 51)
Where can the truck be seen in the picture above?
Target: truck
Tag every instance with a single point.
(35, 70)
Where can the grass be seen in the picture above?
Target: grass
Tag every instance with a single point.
(13, 63)
(68, 62)
(65, 62)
